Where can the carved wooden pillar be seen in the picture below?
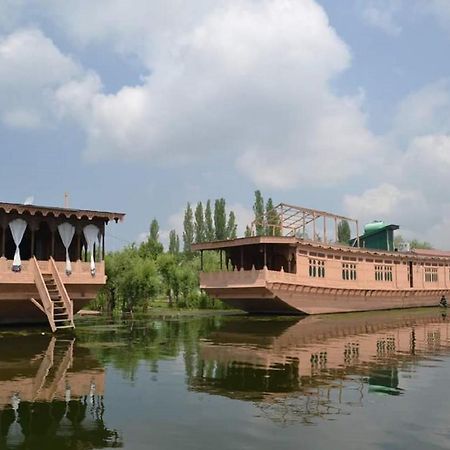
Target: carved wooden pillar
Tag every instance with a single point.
(103, 243)
(53, 228)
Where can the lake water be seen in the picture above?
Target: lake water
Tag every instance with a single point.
(355, 381)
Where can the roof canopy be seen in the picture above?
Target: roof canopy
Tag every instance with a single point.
(67, 213)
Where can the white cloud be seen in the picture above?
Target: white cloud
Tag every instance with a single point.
(32, 70)
(413, 184)
(243, 78)
(381, 14)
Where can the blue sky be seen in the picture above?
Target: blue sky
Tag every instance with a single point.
(140, 106)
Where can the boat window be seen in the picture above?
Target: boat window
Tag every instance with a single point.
(383, 273)
(431, 275)
(316, 268)
(348, 271)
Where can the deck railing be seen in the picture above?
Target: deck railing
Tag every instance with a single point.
(81, 271)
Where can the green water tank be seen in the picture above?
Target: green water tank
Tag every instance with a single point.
(374, 226)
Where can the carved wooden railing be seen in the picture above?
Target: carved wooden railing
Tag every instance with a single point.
(61, 288)
(43, 293)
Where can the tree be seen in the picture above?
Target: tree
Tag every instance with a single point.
(344, 232)
(154, 230)
(273, 227)
(258, 209)
(415, 244)
(220, 219)
(209, 226)
(231, 226)
(174, 242)
(152, 247)
(188, 225)
(248, 231)
(199, 224)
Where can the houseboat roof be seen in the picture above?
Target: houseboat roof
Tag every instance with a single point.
(421, 254)
(67, 213)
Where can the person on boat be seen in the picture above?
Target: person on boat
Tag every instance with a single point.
(443, 302)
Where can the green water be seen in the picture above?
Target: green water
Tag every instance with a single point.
(373, 380)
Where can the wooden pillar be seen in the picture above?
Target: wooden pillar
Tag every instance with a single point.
(201, 260)
(94, 251)
(242, 258)
(3, 240)
(103, 244)
(52, 252)
(78, 246)
(221, 262)
(314, 226)
(265, 255)
(335, 230)
(32, 241)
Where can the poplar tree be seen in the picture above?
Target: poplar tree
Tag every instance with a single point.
(152, 247)
(258, 209)
(231, 226)
(209, 226)
(154, 231)
(248, 231)
(188, 226)
(199, 224)
(344, 232)
(220, 219)
(174, 242)
(273, 227)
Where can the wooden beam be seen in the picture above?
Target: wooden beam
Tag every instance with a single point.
(38, 305)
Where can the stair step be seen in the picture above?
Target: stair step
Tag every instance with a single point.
(65, 326)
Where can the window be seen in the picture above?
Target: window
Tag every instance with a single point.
(316, 268)
(348, 271)
(383, 273)
(431, 274)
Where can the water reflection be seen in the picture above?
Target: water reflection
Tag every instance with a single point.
(51, 395)
(318, 366)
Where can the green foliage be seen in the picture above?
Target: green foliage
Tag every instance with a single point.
(199, 226)
(231, 226)
(248, 231)
(273, 222)
(209, 225)
(152, 247)
(344, 232)
(416, 244)
(174, 242)
(258, 209)
(220, 219)
(188, 233)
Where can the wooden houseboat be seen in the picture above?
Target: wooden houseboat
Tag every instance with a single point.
(299, 269)
(51, 262)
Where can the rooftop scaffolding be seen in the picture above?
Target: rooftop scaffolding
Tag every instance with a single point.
(298, 221)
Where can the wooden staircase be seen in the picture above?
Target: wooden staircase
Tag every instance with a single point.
(55, 303)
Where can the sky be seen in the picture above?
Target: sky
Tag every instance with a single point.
(140, 106)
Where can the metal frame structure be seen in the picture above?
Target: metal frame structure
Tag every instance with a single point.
(296, 218)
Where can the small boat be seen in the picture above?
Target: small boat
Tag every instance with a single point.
(51, 262)
(289, 272)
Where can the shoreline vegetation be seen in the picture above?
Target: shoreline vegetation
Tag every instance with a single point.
(147, 277)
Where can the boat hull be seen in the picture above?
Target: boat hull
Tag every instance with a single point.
(16, 308)
(299, 300)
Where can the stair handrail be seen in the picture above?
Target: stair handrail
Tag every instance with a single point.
(61, 288)
(43, 293)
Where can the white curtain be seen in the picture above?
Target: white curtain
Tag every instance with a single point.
(91, 234)
(66, 231)
(18, 227)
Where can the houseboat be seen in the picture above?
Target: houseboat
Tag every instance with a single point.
(298, 268)
(51, 262)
